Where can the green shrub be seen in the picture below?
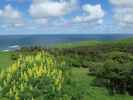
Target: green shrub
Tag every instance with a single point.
(118, 77)
(32, 77)
(121, 57)
(14, 56)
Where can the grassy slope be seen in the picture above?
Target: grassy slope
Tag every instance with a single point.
(84, 83)
(5, 59)
(78, 44)
(95, 43)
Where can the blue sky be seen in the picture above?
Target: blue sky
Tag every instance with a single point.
(66, 16)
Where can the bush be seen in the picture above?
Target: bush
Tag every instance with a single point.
(121, 57)
(94, 67)
(14, 56)
(118, 77)
(32, 77)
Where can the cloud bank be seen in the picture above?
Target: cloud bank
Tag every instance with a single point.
(10, 17)
(50, 8)
(123, 12)
(67, 15)
(92, 13)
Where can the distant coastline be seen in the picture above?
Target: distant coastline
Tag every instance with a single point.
(12, 42)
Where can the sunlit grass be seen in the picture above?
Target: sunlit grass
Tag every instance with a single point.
(5, 59)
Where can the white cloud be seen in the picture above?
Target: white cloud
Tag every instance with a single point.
(10, 12)
(100, 21)
(93, 13)
(94, 10)
(42, 21)
(51, 8)
(122, 2)
(123, 12)
(124, 15)
(10, 17)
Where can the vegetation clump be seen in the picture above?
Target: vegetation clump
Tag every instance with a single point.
(92, 72)
(116, 73)
(32, 77)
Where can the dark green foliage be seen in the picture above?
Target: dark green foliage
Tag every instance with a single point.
(110, 62)
(14, 56)
(118, 77)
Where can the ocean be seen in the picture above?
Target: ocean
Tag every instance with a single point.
(10, 42)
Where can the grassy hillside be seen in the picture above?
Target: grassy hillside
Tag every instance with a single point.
(79, 44)
(84, 83)
(5, 59)
(91, 92)
(83, 57)
(127, 41)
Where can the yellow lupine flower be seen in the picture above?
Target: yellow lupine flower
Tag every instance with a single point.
(17, 97)
(32, 98)
(21, 87)
(10, 92)
(28, 67)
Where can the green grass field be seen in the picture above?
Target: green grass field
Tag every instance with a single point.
(83, 80)
(127, 41)
(78, 44)
(90, 92)
(5, 59)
